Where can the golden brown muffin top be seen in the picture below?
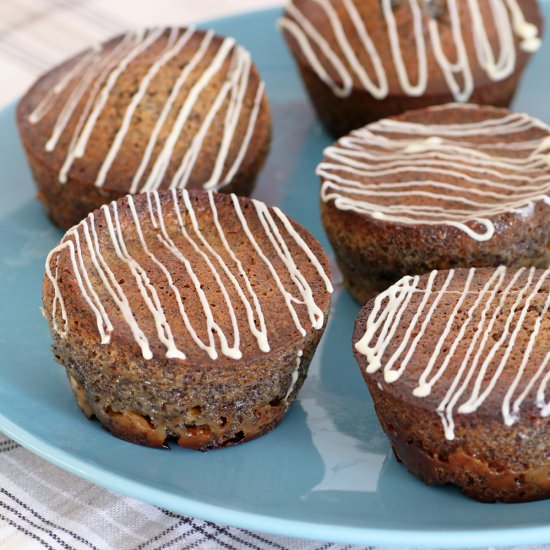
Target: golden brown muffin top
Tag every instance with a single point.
(459, 165)
(191, 276)
(151, 109)
(465, 342)
(412, 47)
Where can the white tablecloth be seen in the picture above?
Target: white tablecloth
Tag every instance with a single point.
(42, 506)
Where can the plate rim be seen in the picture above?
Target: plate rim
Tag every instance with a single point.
(269, 524)
(420, 538)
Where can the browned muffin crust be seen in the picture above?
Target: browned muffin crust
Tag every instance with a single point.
(354, 105)
(375, 245)
(215, 306)
(492, 328)
(151, 109)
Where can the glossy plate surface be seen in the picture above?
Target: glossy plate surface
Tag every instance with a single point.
(327, 472)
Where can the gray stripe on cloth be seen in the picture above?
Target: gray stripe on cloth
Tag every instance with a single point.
(24, 530)
(46, 521)
(183, 521)
(22, 518)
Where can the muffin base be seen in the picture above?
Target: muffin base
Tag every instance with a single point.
(196, 411)
(69, 203)
(342, 115)
(463, 470)
(485, 460)
(372, 255)
(137, 428)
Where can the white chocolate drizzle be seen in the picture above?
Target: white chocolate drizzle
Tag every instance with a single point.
(295, 375)
(461, 175)
(340, 68)
(105, 264)
(85, 89)
(492, 334)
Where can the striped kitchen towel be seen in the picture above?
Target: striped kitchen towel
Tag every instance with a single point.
(37, 34)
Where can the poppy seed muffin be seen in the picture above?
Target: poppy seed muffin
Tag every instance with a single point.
(362, 60)
(152, 109)
(186, 315)
(449, 186)
(458, 365)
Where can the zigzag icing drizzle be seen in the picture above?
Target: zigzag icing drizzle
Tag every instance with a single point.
(226, 273)
(97, 74)
(487, 179)
(507, 17)
(482, 358)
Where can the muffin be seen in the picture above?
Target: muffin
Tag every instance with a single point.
(362, 60)
(186, 315)
(449, 186)
(161, 108)
(458, 365)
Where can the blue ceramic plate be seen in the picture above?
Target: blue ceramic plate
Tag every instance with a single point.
(327, 471)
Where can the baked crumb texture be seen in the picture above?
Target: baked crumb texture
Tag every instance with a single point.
(159, 108)
(186, 315)
(458, 365)
(362, 60)
(450, 186)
